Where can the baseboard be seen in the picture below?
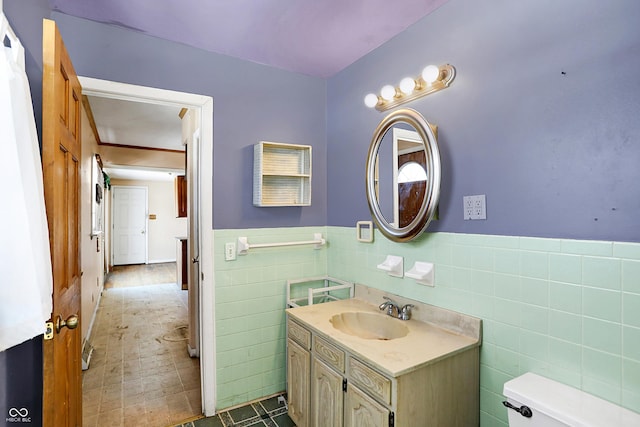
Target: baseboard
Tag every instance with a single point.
(86, 351)
(93, 318)
(161, 261)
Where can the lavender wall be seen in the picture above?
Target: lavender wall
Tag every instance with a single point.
(251, 103)
(553, 152)
(542, 117)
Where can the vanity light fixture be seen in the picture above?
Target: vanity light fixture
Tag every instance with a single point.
(432, 79)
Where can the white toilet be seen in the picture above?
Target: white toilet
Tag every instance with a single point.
(535, 401)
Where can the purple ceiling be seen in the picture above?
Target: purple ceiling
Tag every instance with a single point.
(313, 37)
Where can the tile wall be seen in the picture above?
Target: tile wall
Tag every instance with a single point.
(566, 309)
(250, 303)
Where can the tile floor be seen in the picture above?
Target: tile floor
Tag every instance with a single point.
(140, 372)
(269, 412)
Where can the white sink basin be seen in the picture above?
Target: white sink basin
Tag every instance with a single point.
(369, 326)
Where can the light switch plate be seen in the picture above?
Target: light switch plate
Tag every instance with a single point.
(230, 251)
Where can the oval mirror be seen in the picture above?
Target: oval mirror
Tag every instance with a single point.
(403, 175)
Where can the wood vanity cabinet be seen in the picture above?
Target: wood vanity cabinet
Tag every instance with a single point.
(361, 410)
(298, 369)
(320, 394)
(327, 391)
(334, 403)
(330, 387)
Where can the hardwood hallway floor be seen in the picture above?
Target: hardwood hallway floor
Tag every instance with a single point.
(140, 372)
(123, 276)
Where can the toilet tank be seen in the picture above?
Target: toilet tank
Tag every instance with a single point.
(553, 404)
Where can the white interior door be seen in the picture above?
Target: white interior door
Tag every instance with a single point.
(129, 221)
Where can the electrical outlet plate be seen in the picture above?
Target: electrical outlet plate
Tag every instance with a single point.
(475, 207)
(230, 251)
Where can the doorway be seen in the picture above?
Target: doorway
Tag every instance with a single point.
(203, 283)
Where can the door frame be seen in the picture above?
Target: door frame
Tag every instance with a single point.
(146, 221)
(203, 105)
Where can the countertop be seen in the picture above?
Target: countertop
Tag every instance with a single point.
(424, 344)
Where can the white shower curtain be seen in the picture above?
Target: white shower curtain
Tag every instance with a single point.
(25, 265)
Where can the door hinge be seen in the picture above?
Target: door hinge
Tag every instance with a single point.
(344, 384)
(48, 335)
(391, 419)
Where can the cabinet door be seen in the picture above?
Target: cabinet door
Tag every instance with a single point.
(363, 411)
(327, 396)
(298, 374)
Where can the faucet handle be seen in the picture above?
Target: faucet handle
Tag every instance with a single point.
(386, 303)
(405, 312)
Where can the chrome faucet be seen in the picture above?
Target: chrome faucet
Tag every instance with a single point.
(392, 309)
(389, 305)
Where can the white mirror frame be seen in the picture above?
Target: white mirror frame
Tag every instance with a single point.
(433, 167)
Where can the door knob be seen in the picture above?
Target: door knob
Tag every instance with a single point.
(71, 322)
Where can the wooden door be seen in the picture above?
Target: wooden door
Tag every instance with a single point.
(61, 100)
(298, 373)
(327, 396)
(411, 194)
(129, 221)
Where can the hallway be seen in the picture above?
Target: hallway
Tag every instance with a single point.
(140, 372)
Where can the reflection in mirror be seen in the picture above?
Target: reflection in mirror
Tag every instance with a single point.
(412, 184)
(400, 198)
(403, 175)
(411, 172)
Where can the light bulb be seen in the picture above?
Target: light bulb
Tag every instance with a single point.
(388, 92)
(371, 100)
(431, 73)
(407, 85)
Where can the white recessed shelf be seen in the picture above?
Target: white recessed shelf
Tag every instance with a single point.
(281, 174)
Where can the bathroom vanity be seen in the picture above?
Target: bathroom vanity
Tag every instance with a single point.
(348, 364)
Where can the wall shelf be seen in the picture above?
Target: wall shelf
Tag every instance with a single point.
(281, 174)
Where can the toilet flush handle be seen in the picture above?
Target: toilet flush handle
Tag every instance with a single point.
(525, 411)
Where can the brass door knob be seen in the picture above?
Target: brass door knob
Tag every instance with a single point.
(72, 322)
